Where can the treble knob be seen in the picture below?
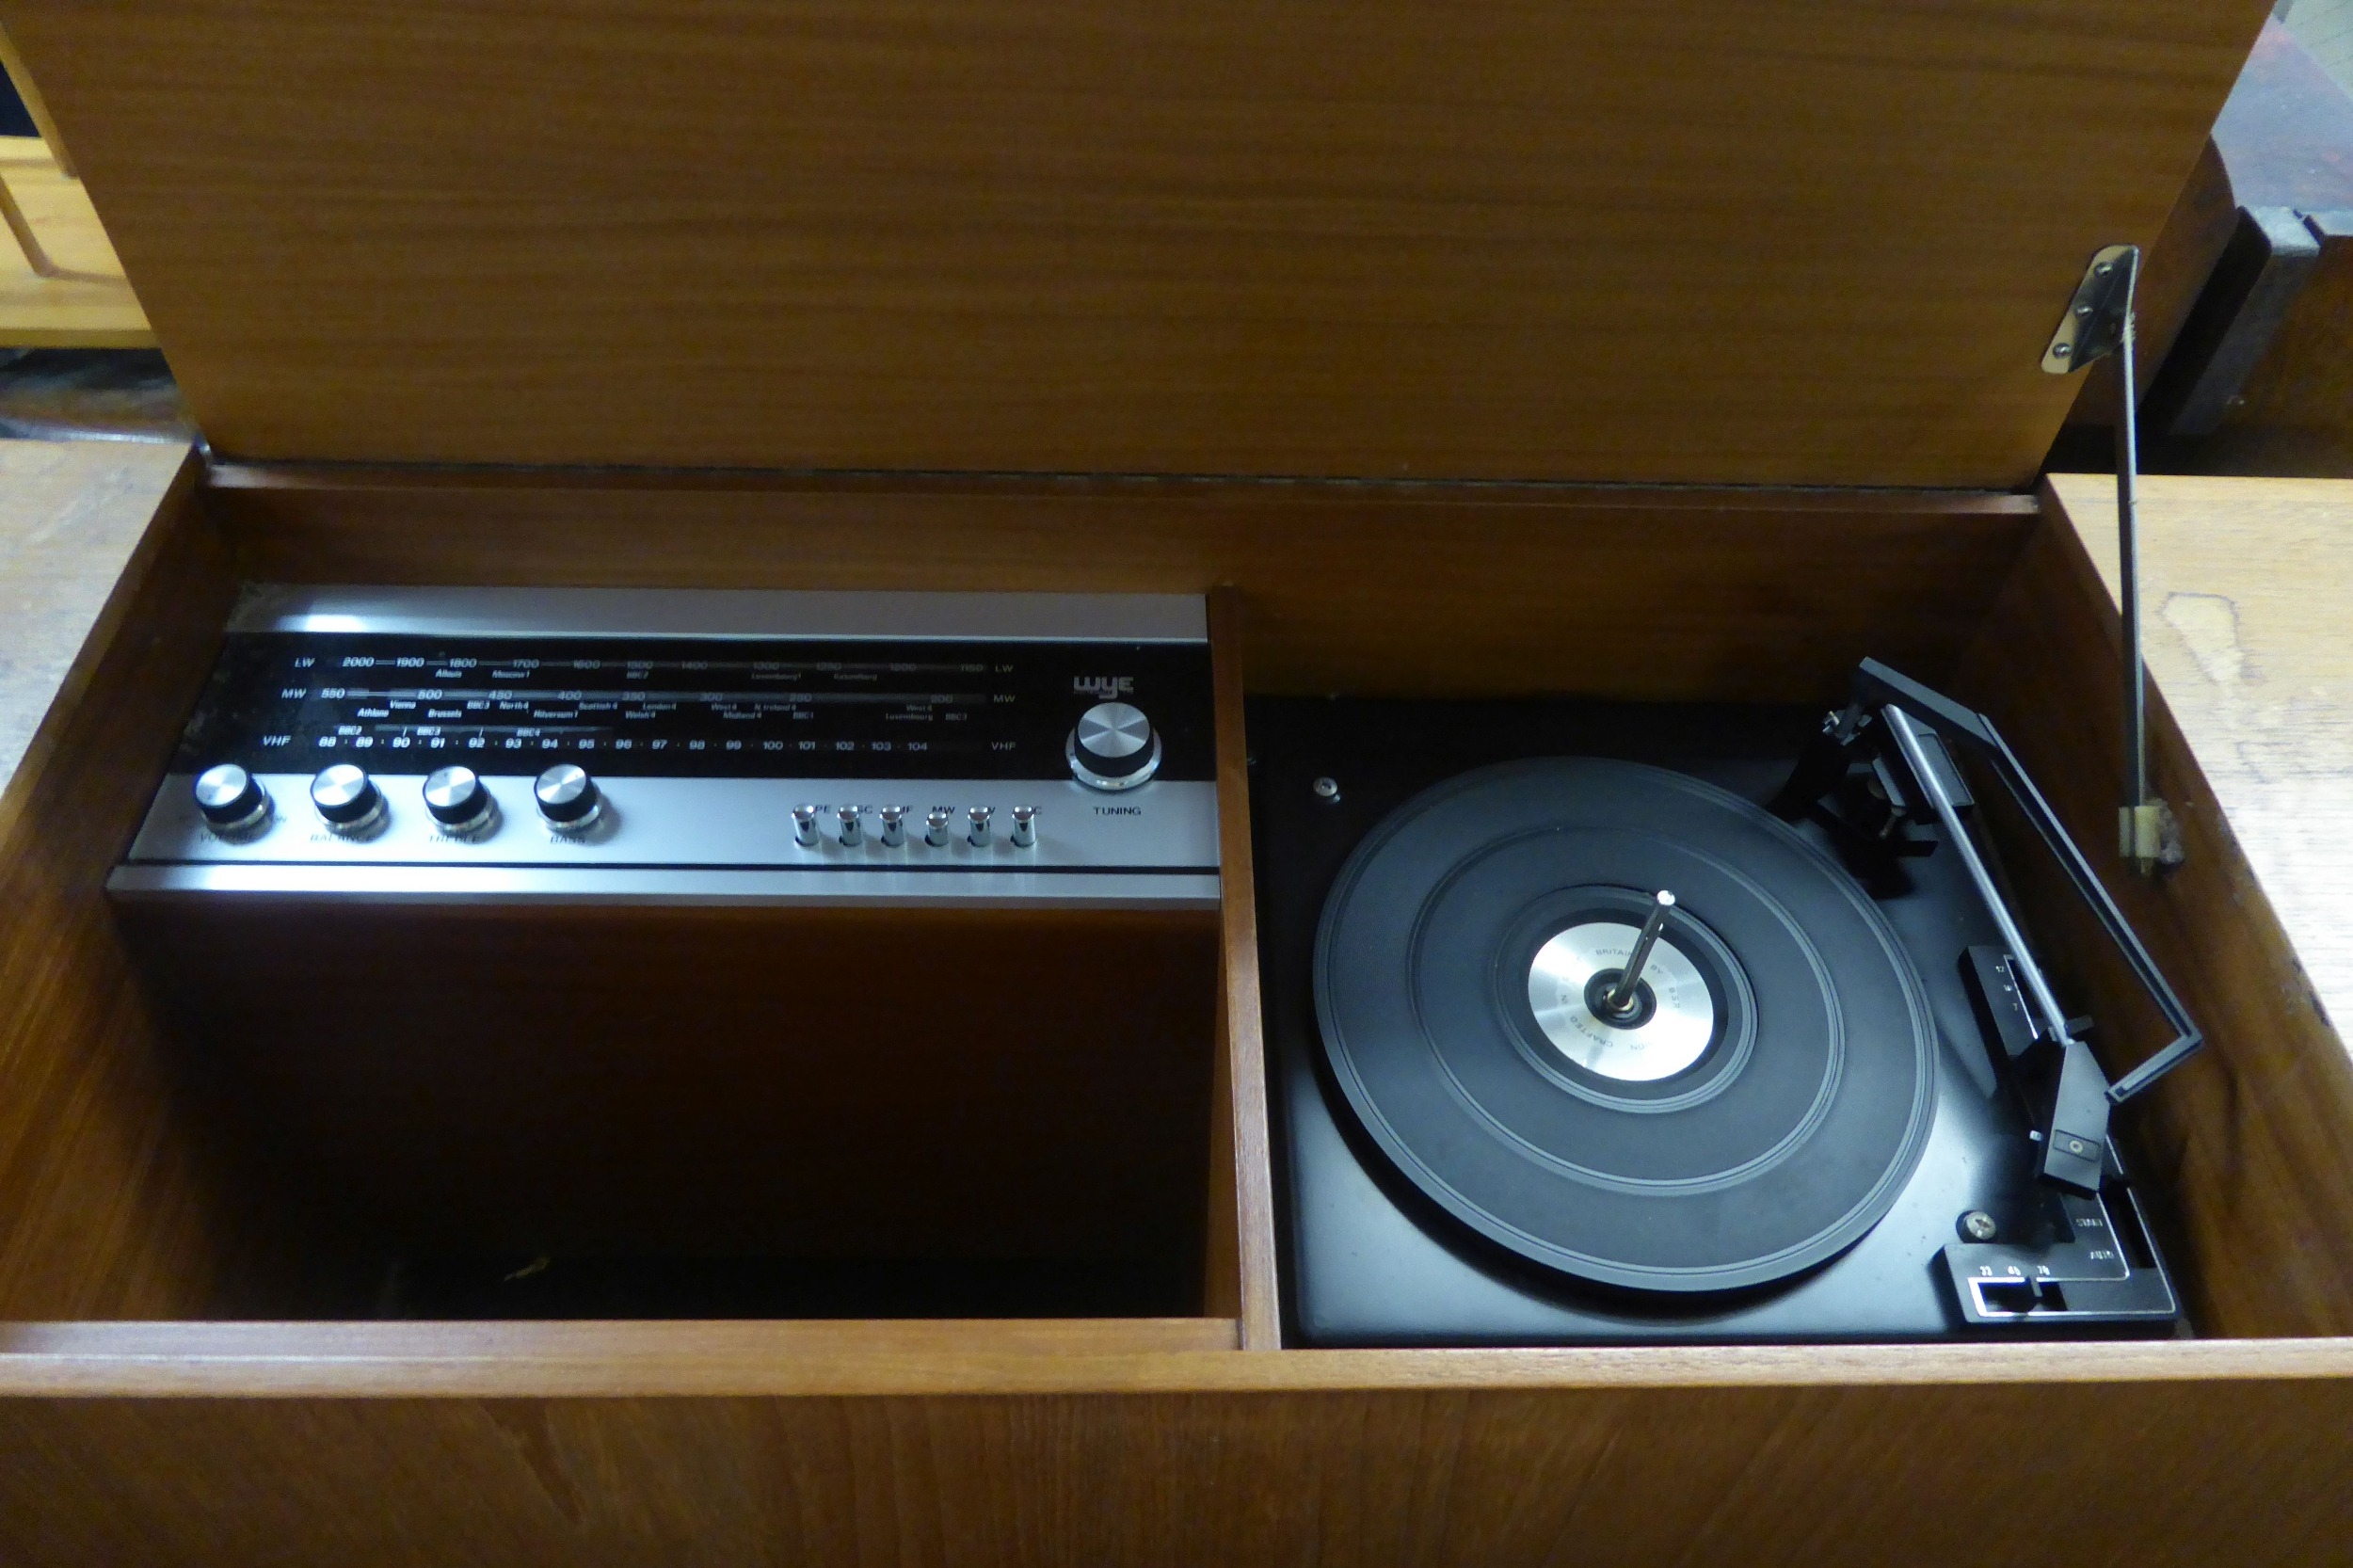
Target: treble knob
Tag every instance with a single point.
(348, 800)
(1113, 747)
(233, 801)
(456, 798)
(567, 798)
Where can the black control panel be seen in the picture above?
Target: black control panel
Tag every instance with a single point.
(281, 702)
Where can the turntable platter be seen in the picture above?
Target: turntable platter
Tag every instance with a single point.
(1746, 1109)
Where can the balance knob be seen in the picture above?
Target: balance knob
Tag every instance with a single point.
(455, 798)
(231, 800)
(1114, 748)
(567, 798)
(348, 800)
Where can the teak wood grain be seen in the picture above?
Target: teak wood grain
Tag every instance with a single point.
(616, 1083)
(1728, 241)
(112, 1203)
(1151, 1440)
(1403, 589)
(2181, 1473)
(1241, 1209)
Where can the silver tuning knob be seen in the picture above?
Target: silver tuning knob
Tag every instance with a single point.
(1113, 747)
(978, 835)
(233, 802)
(894, 825)
(805, 832)
(1024, 834)
(348, 800)
(853, 827)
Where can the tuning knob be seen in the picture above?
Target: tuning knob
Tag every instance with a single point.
(1113, 747)
(233, 801)
(567, 798)
(456, 798)
(348, 800)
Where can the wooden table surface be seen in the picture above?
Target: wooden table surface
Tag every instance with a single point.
(71, 513)
(2248, 594)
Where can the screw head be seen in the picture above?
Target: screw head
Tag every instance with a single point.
(1327, 789)
(1979, 1225)
(2060, 351)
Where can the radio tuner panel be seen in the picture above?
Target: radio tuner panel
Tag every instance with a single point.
(681, 746)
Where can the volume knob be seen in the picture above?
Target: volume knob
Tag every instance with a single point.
(348, 800)
(567, 798)
(231, 800)
(1113, 747)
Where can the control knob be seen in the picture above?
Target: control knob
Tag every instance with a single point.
(567, 798)
(233, 801)
(1113, 747)
(456, 798)
(348, 800)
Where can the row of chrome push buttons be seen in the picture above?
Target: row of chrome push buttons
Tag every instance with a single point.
(349, 802)
(848, 825)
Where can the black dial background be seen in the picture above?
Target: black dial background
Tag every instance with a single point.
(284, 702)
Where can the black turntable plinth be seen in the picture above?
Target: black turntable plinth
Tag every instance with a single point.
(1792, 1120)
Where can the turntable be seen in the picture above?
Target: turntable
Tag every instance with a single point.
(1613, 1023)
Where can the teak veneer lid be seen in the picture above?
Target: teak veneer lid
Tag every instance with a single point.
(1720, 241)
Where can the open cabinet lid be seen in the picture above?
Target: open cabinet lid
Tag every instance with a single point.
(1712, 241)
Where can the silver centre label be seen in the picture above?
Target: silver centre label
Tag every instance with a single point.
(1674, 1035)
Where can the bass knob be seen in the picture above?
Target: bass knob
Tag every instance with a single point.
(568, 798)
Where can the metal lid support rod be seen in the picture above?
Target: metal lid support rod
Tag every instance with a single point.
(2099, 322)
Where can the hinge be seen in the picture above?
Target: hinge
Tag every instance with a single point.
(2099, 322)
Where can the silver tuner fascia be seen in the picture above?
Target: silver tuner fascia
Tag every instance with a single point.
(1024, 835)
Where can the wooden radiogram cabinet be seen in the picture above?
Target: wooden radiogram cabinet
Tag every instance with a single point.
(1501, 349)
